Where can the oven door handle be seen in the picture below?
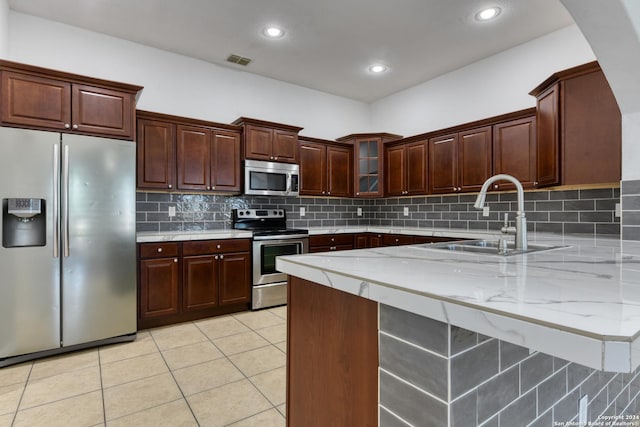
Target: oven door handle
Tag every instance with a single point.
(281, 237)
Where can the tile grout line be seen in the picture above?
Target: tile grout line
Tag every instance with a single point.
(24, 390)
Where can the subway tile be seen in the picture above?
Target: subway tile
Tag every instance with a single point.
(148, 226)
(606, 204)
(446, 224)
(416, 329)
(387, 419)
(500, 207)
(478, 225)
(611, 229)
(414, 365)
(460, 207)
(471, 368)
(631, 218)
(521, 412)
(471, 198)
(564, 216)
(563, 195)
(434, 199)
(579, 205)
(559, 363)
(171, 226)
(630, 203)
(536, 195)
(598, 193)
(497, 393)
(463, 411)
(441, 208)
(508, 197)
(450, 199)
(493, 422)
(544, 420)
(614, 388)
(597, 405)
(418, 200)
(141, 197)
(596, 216)
(534, 216)
(630, 187)
(631, 233)
(534, 370)
(552, 390)
(549, 206)
(566, 409)
(411, 404)
(464, 225)
(462, 339)
(158, 197)
(510, 354)
(469, 216)
(579, 228)
(147, 207)
(551, 227)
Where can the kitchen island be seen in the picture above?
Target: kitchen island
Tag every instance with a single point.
(463, 339)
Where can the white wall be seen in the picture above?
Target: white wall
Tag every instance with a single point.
(495, 85)
(179, 85)
(4, 29)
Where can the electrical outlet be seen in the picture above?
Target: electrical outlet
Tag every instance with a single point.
(618, 210)
(359, 211)
(303, 211)
(406, 211)
(172, 211)
(582, 411)
(485, 211)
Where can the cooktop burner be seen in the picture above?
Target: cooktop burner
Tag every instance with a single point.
(264, 222)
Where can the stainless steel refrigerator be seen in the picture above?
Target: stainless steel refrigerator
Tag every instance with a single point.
(67, 260)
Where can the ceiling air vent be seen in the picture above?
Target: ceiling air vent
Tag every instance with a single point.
(237, 59)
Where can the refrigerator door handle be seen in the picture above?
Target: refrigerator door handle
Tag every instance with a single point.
(56, 201)
(65, 201)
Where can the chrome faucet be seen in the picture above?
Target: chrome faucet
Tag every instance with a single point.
(521, 220)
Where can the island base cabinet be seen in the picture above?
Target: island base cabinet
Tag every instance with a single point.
(332, 362)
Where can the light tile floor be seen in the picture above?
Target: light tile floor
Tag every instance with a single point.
(223, 371)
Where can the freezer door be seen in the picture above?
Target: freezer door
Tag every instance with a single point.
(98, 239)
(29, 276)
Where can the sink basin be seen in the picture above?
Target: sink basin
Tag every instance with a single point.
(488, 247)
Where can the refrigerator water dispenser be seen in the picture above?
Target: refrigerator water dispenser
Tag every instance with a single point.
(23, 222)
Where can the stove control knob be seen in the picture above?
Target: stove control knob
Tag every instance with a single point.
(247, 212)
(240, 213)
(275, 212)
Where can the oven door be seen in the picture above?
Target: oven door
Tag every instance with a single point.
(265, 253)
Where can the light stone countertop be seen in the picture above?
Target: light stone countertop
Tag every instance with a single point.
(175, 236)
(580, 303)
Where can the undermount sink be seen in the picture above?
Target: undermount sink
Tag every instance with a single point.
(488, 247)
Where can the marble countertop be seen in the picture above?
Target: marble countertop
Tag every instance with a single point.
(580, 303)
(173, 236)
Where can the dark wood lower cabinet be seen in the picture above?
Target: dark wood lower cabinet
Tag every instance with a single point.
(332, 357)
(200, 279)
(158, 287)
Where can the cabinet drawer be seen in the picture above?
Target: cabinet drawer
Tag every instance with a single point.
(158, 250)
(204, 247)
(331, 240)
(396, 239)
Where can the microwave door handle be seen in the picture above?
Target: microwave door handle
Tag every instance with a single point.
(289, 179)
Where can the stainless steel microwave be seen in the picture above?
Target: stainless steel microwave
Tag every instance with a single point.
(271, 178)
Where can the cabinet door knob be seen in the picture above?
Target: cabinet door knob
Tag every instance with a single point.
(275, 158)
(218, 246)
(170, 186)
(159, 249)
(75, 126)
(221, 256)
(67, 125)
(535, 182)
(323, 192)
(175, 260)
(495, 186)
(213, 187)
(329, 192)
(357, 194)
(215, 257)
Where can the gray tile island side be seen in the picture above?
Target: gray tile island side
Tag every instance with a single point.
(467, 339)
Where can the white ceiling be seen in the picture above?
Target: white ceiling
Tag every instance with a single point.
(329, 44)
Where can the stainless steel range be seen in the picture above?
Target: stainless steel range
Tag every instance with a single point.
(271, 238)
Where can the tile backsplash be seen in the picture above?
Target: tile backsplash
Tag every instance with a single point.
(584, 211)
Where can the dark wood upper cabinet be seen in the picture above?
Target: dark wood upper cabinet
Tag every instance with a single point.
(443, 164)
(368, 163)
(39, 98)
(101, 111)
(514, 151)
(193, 158)
(225, 161)
(460, 161)
(325, 168)
(406, 169)
(313, 167)
(474, 158)
(156, 155)
(196, 155)
(578, 126)
(269, 141)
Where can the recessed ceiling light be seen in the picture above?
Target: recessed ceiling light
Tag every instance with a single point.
(273, 32)
(378, 68)
(488, 13)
